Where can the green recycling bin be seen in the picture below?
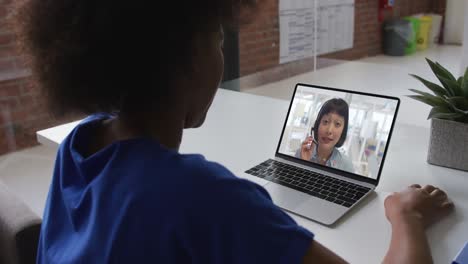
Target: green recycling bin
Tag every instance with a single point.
(412, 43)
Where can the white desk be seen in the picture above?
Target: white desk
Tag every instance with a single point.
(242, 130)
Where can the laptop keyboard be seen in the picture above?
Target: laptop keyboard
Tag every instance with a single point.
(318, 185)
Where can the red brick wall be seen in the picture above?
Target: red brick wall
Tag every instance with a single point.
(10, 60)
(259, 41)
(23, 110)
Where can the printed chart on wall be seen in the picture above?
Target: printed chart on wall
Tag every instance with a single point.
(297, 18)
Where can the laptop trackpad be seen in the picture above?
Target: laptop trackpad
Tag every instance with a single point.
(305, 205)
(285, 197)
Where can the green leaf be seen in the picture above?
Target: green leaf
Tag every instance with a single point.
(440, 70)
(437, 89)
(439, 110)
(464, 84)
(459, 104)
(449, 74)
(429, 99)
(437, 100)
(449, 116)
(422, 93)
(451, 86)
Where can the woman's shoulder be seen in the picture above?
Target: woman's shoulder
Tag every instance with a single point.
(192, 182)
(203, 169)
(180, 168)
(343, 160)
(190, 172)
(339, 154)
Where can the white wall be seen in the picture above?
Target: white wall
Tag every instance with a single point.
(464, 60)
(454, 15)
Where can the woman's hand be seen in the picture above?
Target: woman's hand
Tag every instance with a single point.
(307, 148)
(410, 212)
(424, 205)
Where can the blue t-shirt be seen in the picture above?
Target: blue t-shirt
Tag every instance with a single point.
(136, 201)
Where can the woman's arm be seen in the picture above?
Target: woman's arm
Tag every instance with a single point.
(410, 212)
(409, 243)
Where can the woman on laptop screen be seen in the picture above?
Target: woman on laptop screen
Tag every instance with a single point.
(327, 135)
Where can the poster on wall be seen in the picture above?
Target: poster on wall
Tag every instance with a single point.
(309, 27)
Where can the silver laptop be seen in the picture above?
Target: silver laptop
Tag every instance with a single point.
(331, 151)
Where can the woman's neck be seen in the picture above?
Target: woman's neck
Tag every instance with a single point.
(163, 129)
(323, 154)
(166, 129)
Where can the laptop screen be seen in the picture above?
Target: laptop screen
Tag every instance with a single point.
(344, 130)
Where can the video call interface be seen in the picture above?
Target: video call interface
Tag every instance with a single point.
(345, 131)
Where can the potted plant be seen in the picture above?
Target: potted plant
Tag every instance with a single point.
(448, 145)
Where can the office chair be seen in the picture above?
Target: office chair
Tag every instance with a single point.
(19, 230)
